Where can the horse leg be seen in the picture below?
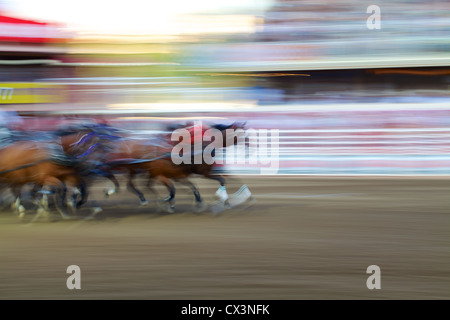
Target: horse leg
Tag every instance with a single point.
(82, 191)
(239, 197)
(116, 189)
(52, 185)
(199, 204)
(82, 187)
(59, 198)
(69, 185)
(42, 203)
(63, 195)
(18, 208)
(133, 188)
(221, 193)
(170, 200)
(35, 193)
(150, 183)
(77, 188)
(72, 201)
(6, 197)
(43, 209)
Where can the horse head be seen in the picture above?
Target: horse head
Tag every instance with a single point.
(238, 125)
(232, 134)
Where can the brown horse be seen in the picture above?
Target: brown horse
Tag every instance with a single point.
(158, 164)
(88, 147)
(102, 151)
(26, 162)
(113, 154)
(151, 158)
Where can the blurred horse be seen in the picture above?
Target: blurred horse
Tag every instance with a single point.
(157, 163)
(26, 162)
(87, 145)
(105, 151)
(113, 154)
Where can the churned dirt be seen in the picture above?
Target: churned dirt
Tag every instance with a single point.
(304, 237)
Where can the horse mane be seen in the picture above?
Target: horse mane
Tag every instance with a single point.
(72, 129)
(86, 127)
(174, 126)
(223, 127)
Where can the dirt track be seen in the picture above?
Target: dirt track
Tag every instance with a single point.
(303, 238)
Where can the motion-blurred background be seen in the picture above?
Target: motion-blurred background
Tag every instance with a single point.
(347, 99)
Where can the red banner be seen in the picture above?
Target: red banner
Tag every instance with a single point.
(15, 29)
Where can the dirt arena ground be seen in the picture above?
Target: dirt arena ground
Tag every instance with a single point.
(303, 238)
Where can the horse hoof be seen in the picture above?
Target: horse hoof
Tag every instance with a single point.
(44, 213)
(109, 192)
(200, 207)
(96, 210)
(170, 209)
(72, 208)
(166, 206)
(144, 203)
(251, 201)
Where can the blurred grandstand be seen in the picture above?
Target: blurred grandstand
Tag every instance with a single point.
(346, 99)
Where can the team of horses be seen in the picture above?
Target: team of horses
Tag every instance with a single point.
(64, 163)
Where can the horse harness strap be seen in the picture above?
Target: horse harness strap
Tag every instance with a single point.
(25, 166)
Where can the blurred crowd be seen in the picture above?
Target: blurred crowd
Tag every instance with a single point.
(339, 27)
